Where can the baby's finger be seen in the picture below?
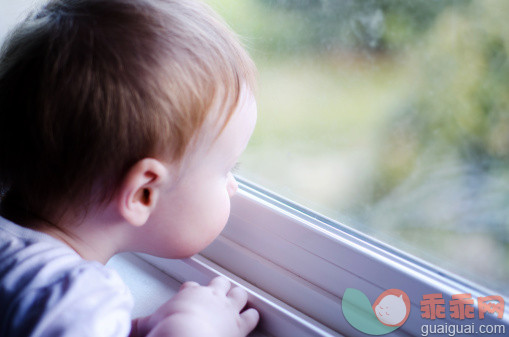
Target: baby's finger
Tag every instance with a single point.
(189, 284)
(220, 284)
(238, 297)
(249, 320)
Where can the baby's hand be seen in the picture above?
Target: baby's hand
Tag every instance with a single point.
(196, 311)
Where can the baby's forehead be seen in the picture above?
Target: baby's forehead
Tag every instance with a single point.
(228, 114)
(227, 131)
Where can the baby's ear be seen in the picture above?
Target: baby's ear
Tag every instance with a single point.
(140, 190)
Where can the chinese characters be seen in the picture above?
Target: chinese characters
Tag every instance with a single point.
(461, 306)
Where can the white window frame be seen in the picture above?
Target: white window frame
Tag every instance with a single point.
(296, 266)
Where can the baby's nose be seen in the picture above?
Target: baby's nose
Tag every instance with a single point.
(232, 185)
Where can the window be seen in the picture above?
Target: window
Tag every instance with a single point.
(390, 117)
(297, 266)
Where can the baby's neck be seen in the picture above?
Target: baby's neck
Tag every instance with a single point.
(95, 238)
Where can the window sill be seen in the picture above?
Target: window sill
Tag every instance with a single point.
(297, 265)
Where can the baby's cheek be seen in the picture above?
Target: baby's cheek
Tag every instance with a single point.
(223, 213)
(217, 214)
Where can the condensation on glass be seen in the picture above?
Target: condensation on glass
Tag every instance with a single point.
(389, 116)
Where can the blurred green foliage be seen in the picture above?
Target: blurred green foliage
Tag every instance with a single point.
(442, 160)
(376, 25)
(458, 107)
(394, 113)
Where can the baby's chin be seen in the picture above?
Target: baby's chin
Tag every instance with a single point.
(174, 255)
(167, 252)
(182, 252)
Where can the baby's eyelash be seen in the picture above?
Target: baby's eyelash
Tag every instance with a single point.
(235, 168)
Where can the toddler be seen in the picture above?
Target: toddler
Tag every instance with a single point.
(120, 122)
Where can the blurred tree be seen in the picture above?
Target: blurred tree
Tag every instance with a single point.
(450, 136)
(441, 178)
(372, 25)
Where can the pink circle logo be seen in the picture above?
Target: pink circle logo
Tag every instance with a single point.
(392, 307)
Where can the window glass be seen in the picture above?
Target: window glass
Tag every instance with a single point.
(389, 116)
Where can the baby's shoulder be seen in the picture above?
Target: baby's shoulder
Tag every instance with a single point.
(32, 260)
(45, 285)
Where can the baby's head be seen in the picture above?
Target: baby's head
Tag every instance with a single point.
(91, 88)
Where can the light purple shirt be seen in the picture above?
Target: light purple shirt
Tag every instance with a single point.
(47, 289)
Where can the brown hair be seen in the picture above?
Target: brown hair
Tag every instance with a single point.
(89, 87)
